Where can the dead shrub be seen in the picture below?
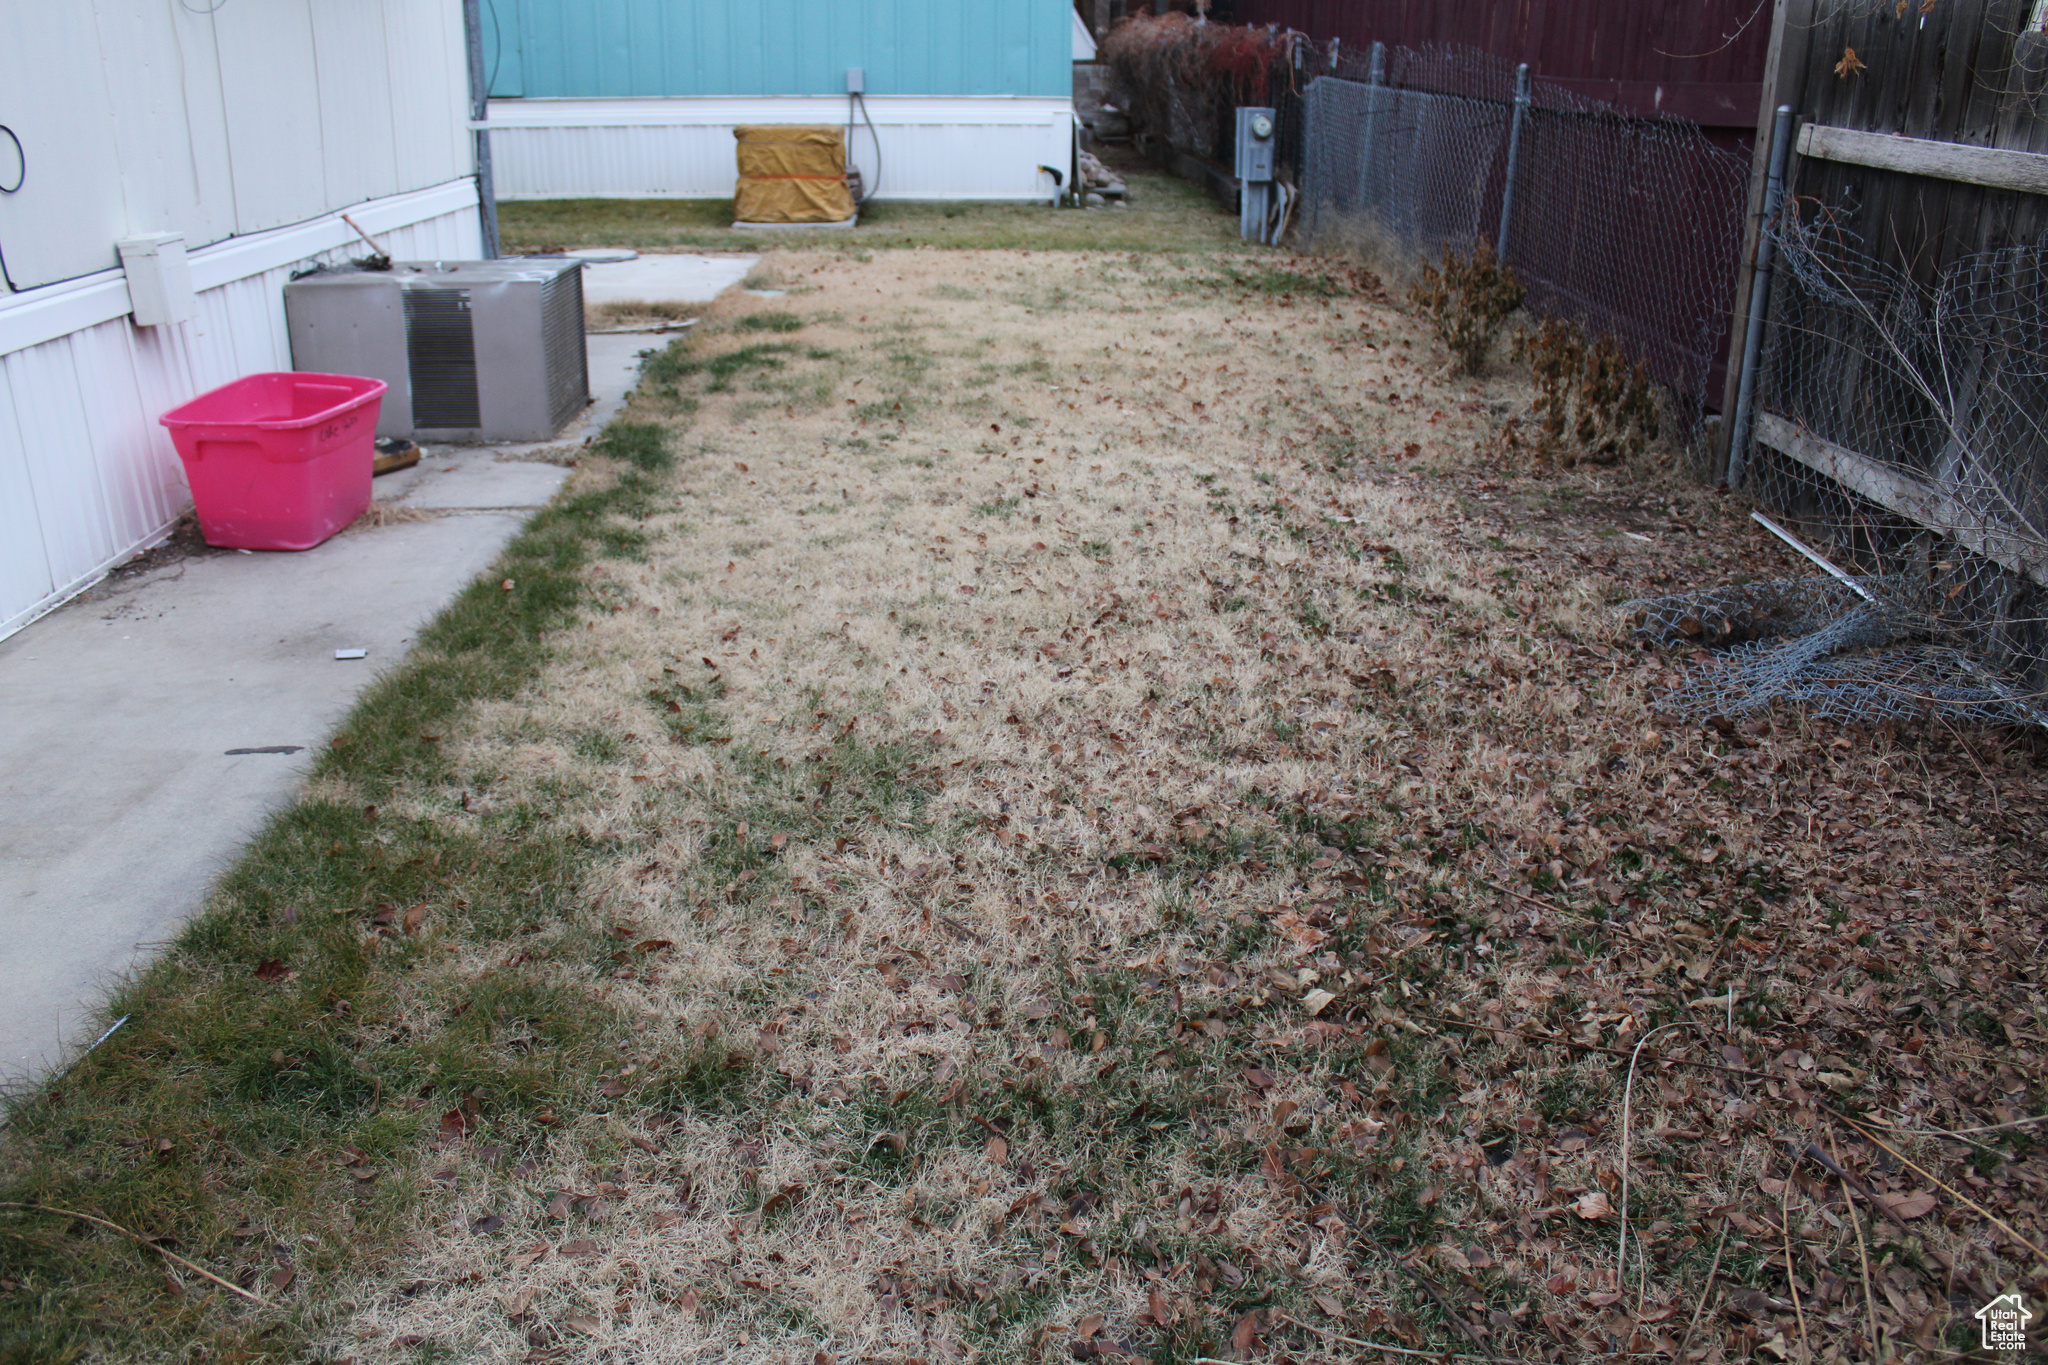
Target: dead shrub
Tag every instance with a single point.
(1468, 300)
(1587, 389)
(1180, 79)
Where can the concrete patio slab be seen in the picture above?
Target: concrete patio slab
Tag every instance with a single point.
(119, 800)
(471, 477)
(668, 277)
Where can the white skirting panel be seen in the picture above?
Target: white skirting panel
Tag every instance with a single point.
(931, 148)
(87, 476)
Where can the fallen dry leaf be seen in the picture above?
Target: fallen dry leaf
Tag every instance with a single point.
(1245, 1335)
(1593, 1205)
(1915, 1205)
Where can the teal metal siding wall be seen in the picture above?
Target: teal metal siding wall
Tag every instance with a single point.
(595, 49)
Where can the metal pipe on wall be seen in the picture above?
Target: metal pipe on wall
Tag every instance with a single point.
(479, 114)
(1759, 297)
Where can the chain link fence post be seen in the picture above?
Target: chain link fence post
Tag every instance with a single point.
(1507, 194)
(1375, 81)
(1759, 297)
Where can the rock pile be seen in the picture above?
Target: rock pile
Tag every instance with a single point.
(1099, 184)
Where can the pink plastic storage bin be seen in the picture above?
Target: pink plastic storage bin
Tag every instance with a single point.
(278, 461)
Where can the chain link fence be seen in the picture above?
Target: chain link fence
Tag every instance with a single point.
(1900, 425)
(1629, 226)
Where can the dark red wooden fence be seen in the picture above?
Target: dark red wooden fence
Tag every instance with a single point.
(1701, 60)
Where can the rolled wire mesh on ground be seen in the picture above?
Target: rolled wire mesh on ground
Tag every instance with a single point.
(1817, 642)
(1629, 226)
(1904, 426)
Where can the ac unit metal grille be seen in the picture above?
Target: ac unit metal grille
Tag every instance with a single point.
(561, 313)
(440, 345)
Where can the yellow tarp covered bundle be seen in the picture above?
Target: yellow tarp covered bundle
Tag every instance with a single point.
(791, 173)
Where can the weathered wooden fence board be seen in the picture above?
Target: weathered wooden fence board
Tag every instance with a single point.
(1993, 167)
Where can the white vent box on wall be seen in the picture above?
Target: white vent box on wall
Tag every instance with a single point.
(159, 278)
(472, 350)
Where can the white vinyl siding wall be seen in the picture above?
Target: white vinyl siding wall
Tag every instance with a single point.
(214, 121)
(933, 147)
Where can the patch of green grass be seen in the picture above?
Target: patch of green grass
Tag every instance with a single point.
(1270, 281)
(308, 1011)
(715, 1079)
(771, 322)
(720, 370)
(1568, 1097)
(1167, 215)
(1005, 1325)
(599, 746)
(891, 408)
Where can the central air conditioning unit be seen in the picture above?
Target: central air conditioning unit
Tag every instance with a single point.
(472, 350)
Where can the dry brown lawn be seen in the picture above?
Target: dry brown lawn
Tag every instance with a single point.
(1141, 811)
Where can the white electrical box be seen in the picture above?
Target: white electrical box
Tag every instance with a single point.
(1256, 130)
(856, 80)
(159, 278)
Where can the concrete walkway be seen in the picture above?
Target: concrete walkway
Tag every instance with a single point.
(121, 795)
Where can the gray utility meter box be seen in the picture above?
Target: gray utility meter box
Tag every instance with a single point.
(1256, 129)
(472, 350)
